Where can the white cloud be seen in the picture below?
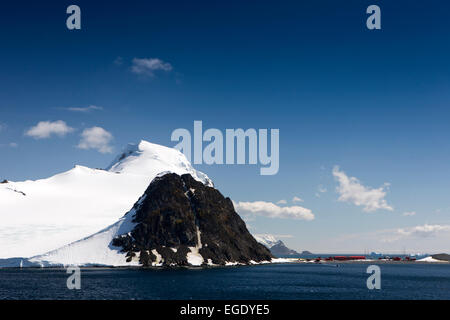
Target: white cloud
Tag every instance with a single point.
(409, 214)
(45, 129)
(96, 138)
(10, 145)
(282, 202)
(297, 199)
(410, 233)
(149, 66)
(426, 238)
(320, 189)
(351, 190)
(287, 236)
(426, 230)
(85, 109)
(271, 210)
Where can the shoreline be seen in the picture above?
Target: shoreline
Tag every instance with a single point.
(288, 261)
(367, 261)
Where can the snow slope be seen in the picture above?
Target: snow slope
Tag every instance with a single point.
(98, 250)
(93, 250)
(40, 216)
(430, 259)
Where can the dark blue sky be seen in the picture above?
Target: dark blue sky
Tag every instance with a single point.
(376, 103)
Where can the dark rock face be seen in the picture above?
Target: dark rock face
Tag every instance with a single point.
(4, 181)
(441, 256)
(176, 212)
(280, 250)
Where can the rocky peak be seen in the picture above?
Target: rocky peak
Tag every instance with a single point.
(181, 221)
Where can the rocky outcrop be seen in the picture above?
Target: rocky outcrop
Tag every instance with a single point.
(441, 257)
(181, 221)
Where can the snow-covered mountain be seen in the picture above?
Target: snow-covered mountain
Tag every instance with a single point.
(276, 247)
(267, 240)
(40, 216)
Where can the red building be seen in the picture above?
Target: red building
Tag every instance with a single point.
(346, 258)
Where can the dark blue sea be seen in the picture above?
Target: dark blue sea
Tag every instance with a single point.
(283, 281)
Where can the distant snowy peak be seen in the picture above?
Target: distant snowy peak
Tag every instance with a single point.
(151, 159)
(276, 247)
(267, 240)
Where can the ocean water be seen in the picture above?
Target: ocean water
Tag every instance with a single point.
(283, 281)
